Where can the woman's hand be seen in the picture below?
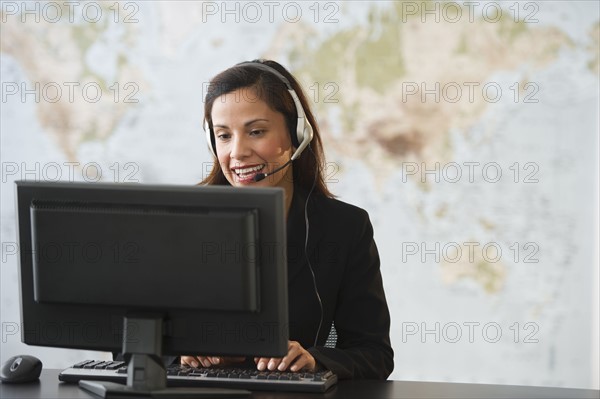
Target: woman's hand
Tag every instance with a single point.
(296, 359)
(209, 361)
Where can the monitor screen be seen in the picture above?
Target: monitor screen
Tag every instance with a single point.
(208, 262)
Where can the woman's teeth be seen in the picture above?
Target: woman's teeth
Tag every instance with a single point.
(245, 172)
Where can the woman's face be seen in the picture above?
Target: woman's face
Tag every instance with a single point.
(251, 138)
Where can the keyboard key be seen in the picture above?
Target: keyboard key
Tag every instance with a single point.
(115, 365)
(81, 364)
(92, 364)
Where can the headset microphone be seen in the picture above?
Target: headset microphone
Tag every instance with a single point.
(261, 176)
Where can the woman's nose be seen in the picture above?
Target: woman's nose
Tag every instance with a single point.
(240, 148)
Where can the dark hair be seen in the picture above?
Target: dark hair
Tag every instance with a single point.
(272, 90)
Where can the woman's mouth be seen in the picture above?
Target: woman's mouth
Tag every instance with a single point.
(247, 174)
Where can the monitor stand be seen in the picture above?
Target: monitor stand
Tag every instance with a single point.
(146, 373)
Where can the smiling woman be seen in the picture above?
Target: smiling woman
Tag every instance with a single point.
(250, 138)
(257, 121)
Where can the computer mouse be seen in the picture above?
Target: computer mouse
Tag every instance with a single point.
(23, 368)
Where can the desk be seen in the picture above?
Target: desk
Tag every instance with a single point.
(50, 388)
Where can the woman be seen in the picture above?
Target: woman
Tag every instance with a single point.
(255, 128)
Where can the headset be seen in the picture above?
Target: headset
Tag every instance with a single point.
(304, 130)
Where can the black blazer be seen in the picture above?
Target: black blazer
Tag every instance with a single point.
(345, 261)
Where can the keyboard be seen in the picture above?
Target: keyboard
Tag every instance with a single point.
(221, 377)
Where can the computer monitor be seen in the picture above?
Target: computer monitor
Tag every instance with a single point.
(153, 270)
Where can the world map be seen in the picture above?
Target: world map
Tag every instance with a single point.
(468, 131)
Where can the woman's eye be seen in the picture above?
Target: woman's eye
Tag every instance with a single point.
(222, 136)
(256, 132)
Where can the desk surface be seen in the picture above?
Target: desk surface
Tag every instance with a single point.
(50, 387)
